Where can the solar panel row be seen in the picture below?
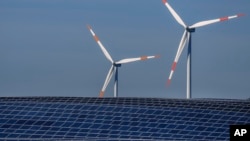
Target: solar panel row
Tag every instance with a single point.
(119, 118)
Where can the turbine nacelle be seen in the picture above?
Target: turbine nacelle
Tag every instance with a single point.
(190, 30)
(117, 65)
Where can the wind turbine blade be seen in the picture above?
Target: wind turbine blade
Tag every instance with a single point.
(142, 58)
(107, 80)
(182, 44)
(100, 44)
(175, 15)
(204, 23)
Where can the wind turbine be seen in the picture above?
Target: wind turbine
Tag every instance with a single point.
(187, 37)
(115, 65)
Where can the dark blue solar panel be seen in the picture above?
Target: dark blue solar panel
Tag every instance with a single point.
(119, 118)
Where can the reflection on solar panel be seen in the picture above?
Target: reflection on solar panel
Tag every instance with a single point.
(35, 118)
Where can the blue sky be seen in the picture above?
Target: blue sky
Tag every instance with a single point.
(46, 49)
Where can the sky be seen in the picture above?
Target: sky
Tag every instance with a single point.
(47, 50)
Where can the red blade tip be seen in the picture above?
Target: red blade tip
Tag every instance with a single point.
(168, 83)
(89, 27)
(157, 56)
(101, 94)
(240, 15)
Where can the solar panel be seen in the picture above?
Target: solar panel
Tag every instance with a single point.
(76, 118)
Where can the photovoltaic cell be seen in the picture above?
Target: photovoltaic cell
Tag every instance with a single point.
(77, 118)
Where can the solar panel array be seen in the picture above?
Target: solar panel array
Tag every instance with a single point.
(77, 118)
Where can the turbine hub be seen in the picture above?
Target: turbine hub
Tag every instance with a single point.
(190, 29)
